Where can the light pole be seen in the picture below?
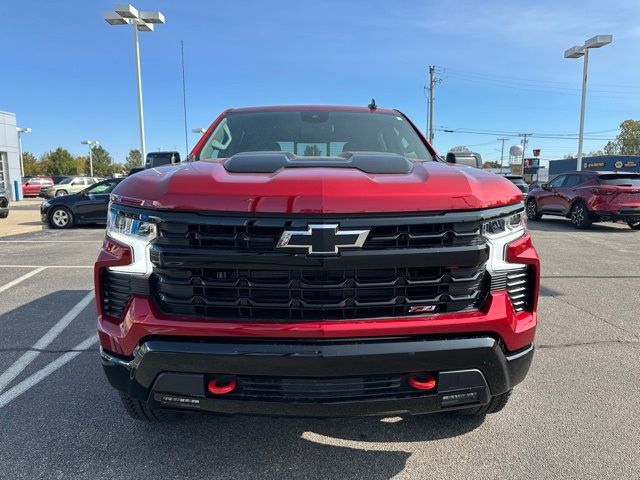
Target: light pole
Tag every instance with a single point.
(502, 152)
(583, 51)
(126, 14)
(91, 143)
(20, 131)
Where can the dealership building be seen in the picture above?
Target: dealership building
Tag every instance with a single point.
(9, 154)
(601, 163)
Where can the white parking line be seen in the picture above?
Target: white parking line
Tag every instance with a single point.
(12, 283)
(44, 372)
(19, 365)
(50, 241)
(46, 266)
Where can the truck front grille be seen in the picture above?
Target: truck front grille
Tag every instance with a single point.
(229, 267)
(262, 235)
(297, 294)
(4, 203)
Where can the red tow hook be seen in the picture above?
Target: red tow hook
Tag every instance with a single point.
(221, 386)
(422, 381)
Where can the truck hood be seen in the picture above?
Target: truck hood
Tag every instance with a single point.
(208, 186)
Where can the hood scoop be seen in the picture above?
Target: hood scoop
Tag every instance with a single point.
(271, 162)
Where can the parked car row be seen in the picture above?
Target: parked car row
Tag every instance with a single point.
(88, 206)
(588, 196)
(4, 203)
(48, 187)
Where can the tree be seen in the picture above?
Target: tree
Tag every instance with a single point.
(101, 161)
(59, 162)
(595, 153)
(628, 140)
(312, 151)
(611, 148)
(134, 160)
(31, 165)
(82, 165)
(460, 149)
(569, 155)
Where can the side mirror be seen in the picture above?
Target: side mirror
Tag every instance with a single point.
(450, 158)
(544, 186)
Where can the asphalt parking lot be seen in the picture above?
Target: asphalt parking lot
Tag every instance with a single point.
(577, 415)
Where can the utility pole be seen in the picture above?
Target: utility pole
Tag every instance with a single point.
(502, 152)
(432, 83)
(524, 147)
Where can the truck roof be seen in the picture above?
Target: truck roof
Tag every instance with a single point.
(322, 108)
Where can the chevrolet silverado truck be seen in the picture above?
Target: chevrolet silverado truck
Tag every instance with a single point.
(315, 261)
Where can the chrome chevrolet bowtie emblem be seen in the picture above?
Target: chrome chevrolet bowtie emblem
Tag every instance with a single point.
(325, 239)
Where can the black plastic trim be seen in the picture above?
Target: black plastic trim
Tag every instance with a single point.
(137, 376)
(271, 162)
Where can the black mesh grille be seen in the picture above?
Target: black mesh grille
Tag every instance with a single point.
(116, 292)
(262, 236)
(3, 202)
(296, 389)
(117, 289)
(228, 267)
(317, 294)
(517, 283)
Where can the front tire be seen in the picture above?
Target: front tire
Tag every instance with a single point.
(580, 216)
(496, 404)
(139, 410)
(6, 214)
(532, 210)
(60, 217)
(634, 225)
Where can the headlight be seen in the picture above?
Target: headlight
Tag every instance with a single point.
(500, 232)
(123, 223)
(137, 232)
(46, 203)
(499, 227)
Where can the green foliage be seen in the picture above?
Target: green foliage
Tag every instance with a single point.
(58, 162)
(32, 167)
(628, 140)
(134, 160)
(611, 148)
(312, 151)
(101, 162)
(595, 153)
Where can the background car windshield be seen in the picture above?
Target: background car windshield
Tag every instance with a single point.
(65, 181)
(313, 134)
(620, 180)
(103, 187)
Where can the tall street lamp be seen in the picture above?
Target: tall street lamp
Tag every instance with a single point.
(126, 14)
(20, 131)
(583, 51)
(91, 143)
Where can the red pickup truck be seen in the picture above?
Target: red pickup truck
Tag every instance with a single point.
(315, 261)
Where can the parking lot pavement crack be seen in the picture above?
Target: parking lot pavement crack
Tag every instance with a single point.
(587, 344)
(598, 317)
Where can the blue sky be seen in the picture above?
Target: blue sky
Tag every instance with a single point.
(70, 76)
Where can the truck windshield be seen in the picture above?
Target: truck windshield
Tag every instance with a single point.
(314, 134)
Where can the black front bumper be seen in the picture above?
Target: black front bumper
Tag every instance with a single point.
(174, 374)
